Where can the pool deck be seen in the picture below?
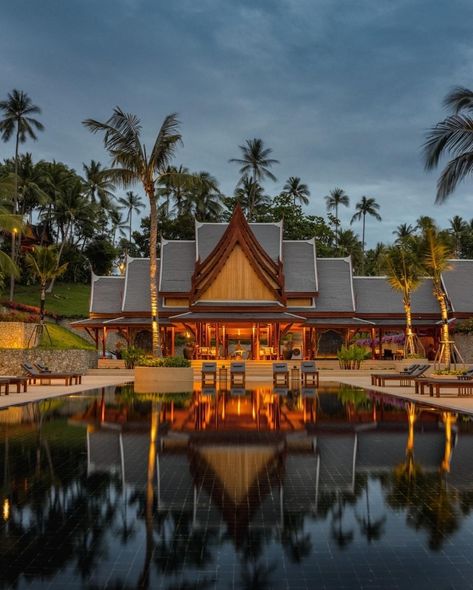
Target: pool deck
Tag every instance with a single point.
(448, 402)
(39, 392)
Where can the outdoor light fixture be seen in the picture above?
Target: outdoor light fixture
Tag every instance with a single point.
(6, 509)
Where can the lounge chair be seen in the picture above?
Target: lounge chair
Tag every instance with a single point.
(209, 374)
(42, 367)
(237, 374)
(406, 377)
(463, 387)
(310, 375)
(280, 375)
(34, 375)
(19, 380)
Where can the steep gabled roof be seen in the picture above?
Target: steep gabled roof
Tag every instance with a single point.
(238, 234)
(335, 285)
(177, 266)
(106, 294)
(299, 266)
(137, 296)
(375, 295)
(458, 283)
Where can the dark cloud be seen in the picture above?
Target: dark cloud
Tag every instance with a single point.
(343, 91)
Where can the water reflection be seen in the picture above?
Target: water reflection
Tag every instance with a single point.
(247, 489)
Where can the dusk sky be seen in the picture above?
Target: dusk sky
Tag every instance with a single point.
(342, 91)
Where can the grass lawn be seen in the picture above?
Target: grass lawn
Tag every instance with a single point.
(70, 300)
(63, 338)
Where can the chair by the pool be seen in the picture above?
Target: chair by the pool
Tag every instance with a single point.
(42, 367)
(209, 374)
(280, 374)
(310, 375)
(237, 374)
(19, 380)
(34, 375)
(406, 377)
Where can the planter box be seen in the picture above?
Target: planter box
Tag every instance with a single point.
(163, 379)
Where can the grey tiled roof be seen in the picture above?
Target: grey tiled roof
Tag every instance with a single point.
(267, 234)
(137, 297)
(178, 259)
(106, 294)
(458, 282)
(299, 266)
(335, 286)
(375, 295)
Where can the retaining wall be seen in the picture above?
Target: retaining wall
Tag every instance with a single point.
(17, 335)
(57, 360)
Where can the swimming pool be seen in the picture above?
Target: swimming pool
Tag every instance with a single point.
(339, 488)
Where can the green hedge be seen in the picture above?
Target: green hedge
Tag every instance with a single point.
(168, 361)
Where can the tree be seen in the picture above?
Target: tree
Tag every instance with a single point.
(251, 197)
(131, 203)
(297, 190)
(101, 254)
(98, 185)
(452, 137)
(366, 206)
(8, 222)
(132, 163)
(458, 227)
(44, 263)
(436, 255)
(350, 245)
(203, 198)
(333, 200)
(255, 164)
(403, 232)
(17, 120)
(403, 271)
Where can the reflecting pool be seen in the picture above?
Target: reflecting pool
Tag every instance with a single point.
(251, 489)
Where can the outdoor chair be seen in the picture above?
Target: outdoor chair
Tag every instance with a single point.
(280, 375)
(19, 380)
(209, 374)
(35, 375)
(310, 375)
(42, 367)
(406, 377)
(237, 374)
(461, 387)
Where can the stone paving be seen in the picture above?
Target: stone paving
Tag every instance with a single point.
(40, 392)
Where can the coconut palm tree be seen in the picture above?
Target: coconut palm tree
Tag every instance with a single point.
(251, 197)
(131, 203)
(132, 163)
(44, 263)
(255, 161)
(97, 185)
(452, 137)
(436, 255)
(366, 206)
(404, 232)
(333, 200)
(296, 190)
(17, 120)
(10, 223)
(458, 227)
(204, 199)
(118, 224)
(404, 275)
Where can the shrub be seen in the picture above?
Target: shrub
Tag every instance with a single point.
(465, 326)
(27, 318)
(29, 309)
(352, 356)
(131, 356)
(167, 361)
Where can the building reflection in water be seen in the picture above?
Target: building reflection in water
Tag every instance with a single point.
(255, 474)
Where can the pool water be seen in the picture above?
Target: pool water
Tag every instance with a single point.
(339, 488)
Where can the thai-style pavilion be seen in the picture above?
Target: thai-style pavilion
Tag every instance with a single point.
(240, 290)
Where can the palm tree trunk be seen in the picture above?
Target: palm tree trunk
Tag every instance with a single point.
(15, 206)
(409, 345)
(445, 332)
(66, 235)
(42, 303)
(153, 271)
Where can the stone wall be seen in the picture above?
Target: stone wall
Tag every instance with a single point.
(17, 335)
(57, 360)
(464, 344)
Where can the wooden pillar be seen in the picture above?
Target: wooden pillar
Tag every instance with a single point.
(96, 331)
(104, 341)
(217, 341)
(225, 341)
(380, 336)
(173, 340)
(257, 342)
(314, 343)
(373, 345)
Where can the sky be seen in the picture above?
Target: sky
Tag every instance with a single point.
(343, 91)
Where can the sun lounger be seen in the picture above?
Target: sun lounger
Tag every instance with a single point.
(34, 375)
(42, 367)
(209, 374)
(280, 375)
(405, 378)
(310, 375)
(237, 374)
(435, 386)
(19, 380)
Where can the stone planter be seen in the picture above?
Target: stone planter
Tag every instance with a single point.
(163, 379)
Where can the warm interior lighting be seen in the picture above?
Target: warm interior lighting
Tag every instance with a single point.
(6, 509)
(239, 332)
